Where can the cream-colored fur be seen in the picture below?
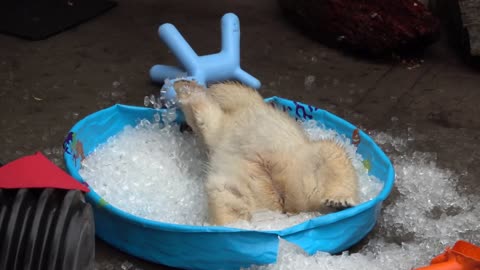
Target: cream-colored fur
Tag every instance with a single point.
(260, 158)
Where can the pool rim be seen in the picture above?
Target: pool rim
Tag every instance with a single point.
(318, 221)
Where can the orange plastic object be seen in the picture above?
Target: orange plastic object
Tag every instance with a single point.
(463, 256)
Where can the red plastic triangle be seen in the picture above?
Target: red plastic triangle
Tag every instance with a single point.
(37, 171)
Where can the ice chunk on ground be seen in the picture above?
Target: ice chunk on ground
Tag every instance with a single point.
(116, 84)
(115, 264)
(309, 82)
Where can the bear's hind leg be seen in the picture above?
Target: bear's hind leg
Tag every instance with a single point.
(226, 204)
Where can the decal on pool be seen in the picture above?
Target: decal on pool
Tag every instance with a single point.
(73, 146)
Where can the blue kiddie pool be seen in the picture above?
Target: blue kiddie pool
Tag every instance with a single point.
(216, 247)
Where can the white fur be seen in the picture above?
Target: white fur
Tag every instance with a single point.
(260, 158)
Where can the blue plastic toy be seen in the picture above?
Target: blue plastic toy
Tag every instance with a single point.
(224, 65)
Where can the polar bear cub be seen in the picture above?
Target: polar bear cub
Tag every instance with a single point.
(260, 158)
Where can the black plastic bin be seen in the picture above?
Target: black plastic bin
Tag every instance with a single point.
(46, 229)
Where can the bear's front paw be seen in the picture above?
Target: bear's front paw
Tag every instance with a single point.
(189, 92)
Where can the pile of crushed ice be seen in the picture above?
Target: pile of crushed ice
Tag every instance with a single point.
(157, 172)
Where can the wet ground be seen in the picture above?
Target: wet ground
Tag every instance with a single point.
(47, 86)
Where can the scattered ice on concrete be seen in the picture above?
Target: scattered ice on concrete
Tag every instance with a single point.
(427, 215)
(57, 151)
(393, 144)
(309, 82)
(118, 95)
(126, 265)
(158, 173)
(292, 258)
(115, 264)
(72, 115)
(116, 84)
(45, 137)
(410, 134)
(104, 266)
(55, 154)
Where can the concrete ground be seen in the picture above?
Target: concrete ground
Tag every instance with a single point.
(47, 86)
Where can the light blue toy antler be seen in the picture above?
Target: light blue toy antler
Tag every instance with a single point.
(221, 66)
